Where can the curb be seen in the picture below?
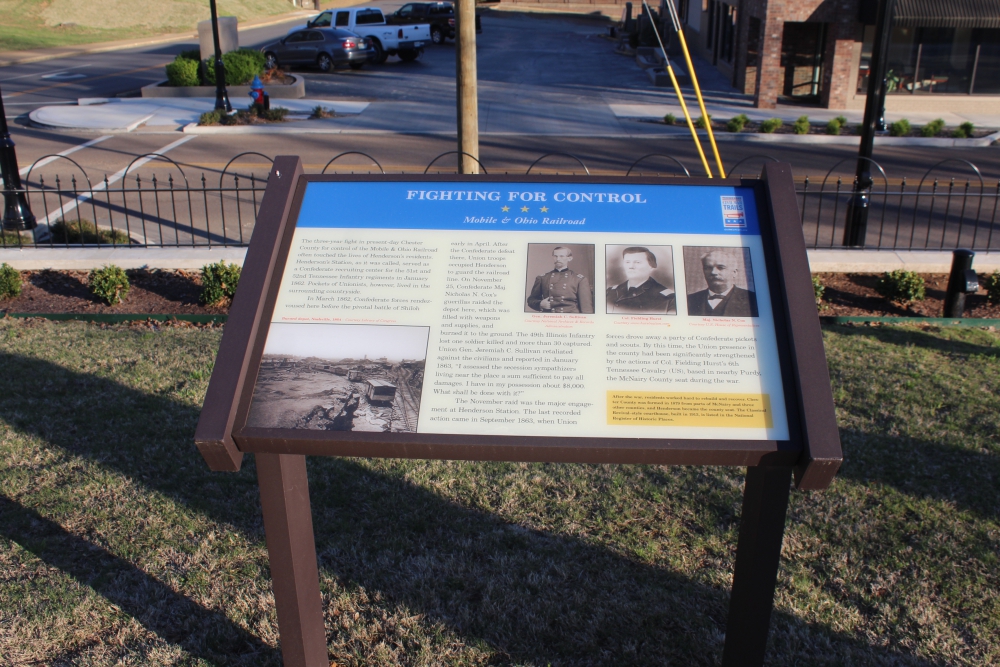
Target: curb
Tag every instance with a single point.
(195, 257)
(823, 139)
(85, 259)
(877, 261)
(119, 318)
(158, 91)
(936, 321)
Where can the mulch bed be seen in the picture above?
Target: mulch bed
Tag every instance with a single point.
(753, 127)
(152, 291)
(176, 292)
(854, 295)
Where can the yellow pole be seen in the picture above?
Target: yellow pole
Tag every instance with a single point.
(694, 80)
(680, 97)
(687, 116)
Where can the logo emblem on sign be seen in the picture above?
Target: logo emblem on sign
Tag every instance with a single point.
(733, 214)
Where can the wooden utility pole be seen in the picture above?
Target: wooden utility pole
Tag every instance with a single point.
(468, 96)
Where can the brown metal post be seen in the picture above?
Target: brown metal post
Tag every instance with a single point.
(467, 88)
(291, 549)
(762, 526)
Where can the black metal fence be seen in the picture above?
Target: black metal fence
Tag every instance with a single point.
(937, 212)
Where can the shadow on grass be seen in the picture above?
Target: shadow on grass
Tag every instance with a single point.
(174, 618)
(928, 338)
(530, 596)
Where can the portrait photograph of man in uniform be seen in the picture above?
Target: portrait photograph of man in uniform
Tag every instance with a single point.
(560, 278)
(719, 281)
(640, 279)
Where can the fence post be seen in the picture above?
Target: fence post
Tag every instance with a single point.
(963, 280)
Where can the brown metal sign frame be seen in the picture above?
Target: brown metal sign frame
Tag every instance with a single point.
(812, 452)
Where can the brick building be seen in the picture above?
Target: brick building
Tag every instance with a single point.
(944, 55)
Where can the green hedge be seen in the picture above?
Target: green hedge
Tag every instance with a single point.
(183, 72)
(242, 65)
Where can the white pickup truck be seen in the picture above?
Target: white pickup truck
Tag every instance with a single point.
(406, 41)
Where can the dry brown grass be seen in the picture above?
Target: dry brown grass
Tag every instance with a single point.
(117, 546)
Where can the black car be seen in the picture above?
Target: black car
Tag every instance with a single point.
(326, 48)
(441, 16)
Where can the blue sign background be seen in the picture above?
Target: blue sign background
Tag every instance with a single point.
(672, 209)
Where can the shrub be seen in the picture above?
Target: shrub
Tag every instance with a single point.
(219, 281)
(183, 72)
(701, 123)
(211, 117)
(243, 116)
(737, 123)
(933, 128)
(320, 111)
(110, 284)
(78, 232)
(242, 65)
(670, 119)
(833, 127)
(900, 128)
(770, 125)
(190, 54)
(842, 120)
(801, 126)
(274, 114)
(992, 285)
(10, 282)
(818, 289)
(901, 286)
(963, 131)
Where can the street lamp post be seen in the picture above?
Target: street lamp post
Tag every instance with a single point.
(16, 211)
(221, 96)
(857, 211)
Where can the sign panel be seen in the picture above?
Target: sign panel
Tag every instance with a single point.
(591, 310)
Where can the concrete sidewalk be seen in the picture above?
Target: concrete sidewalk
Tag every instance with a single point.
(84, 259)
(167, 113)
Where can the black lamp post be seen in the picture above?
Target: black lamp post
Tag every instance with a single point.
(221, 96)
(857, 210)
(16, 211)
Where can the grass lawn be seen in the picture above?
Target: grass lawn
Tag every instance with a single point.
(118, 547)
(31, 24)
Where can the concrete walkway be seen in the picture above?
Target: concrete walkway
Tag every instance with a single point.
(84, 259)
(127, 114)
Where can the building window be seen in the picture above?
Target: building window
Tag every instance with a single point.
(727, 32)
(937, 60)
(802, 46)
(721, 31)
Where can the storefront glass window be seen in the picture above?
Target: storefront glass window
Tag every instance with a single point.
(953, 61)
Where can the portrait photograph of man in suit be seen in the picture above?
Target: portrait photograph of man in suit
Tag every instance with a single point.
(560, 278)
(719, 282)
(640, 279)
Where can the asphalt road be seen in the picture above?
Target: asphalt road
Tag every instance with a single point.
(532, 69)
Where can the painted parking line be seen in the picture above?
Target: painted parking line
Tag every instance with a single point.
(52, 158)
(28, 76)
(76, 81)
(114, 178)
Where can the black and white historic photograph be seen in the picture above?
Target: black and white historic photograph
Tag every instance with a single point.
(560, 278)
(719, 281)
(340, 377)
(640, 279)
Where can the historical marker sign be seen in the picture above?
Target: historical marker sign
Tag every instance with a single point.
(538, 319)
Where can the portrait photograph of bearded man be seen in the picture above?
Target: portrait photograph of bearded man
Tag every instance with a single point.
(640, 279)
(719, 282)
